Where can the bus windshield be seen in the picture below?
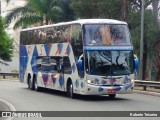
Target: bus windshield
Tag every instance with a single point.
(105, 34)
(109, 63)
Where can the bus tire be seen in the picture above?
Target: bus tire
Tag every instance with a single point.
(35, 84)
(29, 82)
(112, 96)
(70, 92)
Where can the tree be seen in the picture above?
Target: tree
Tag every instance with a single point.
(68, 12)
(6, 46)
(36, 11)
(156, 45)
(135, 6)
(129, 11)
(124, 10)
(93, 9)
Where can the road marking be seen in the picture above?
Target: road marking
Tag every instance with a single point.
(11, 107)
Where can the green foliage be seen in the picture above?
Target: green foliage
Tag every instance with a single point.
(112, 9)
(134, 21)
(149, 34)
(6, 46)
(97, 9)
(36, 11)
(68, 12)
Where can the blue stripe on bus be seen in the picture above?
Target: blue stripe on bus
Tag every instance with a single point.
(108, 48)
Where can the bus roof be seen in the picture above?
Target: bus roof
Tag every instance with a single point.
(80, 21)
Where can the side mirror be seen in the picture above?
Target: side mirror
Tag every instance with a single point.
(136, 65)
(80, 65)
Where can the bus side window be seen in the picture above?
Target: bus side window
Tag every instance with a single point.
(54, 61)
(39, 63)
(39, 66)
(67, 66)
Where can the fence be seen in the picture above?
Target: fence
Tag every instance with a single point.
(146, 84)
(9, 74)
(141, 83)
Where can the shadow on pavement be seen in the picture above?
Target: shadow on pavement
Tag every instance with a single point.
(80, 97)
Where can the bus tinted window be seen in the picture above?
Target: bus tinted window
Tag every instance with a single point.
(67, 66)
(57, 34)
(48, 64)
(106, 35)
(51, 64)
(109, 63)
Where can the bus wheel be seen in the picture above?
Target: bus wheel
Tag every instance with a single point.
(29, 83)
(35, 85)
(112, 96)
(70, 90)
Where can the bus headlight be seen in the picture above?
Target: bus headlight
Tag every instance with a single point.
(89, 81)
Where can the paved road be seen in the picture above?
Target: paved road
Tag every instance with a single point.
(26, 100)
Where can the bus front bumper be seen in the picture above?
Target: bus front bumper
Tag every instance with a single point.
(106, 90)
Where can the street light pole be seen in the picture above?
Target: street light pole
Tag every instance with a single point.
(141, 40)
(0, 7)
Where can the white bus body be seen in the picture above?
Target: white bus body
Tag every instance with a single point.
(62, 56)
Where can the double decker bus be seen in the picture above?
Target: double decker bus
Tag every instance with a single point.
(87, 57)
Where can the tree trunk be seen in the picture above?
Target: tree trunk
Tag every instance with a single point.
(124, 10)
(155, 13)
(144, 74)
(157, 59)
(157, 43)
(47, 21)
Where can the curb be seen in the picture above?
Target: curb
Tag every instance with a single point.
(10, 106)
(147, 93)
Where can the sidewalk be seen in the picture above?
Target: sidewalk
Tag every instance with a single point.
(148, 89)
(4, 107)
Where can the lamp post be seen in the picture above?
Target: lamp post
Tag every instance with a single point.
(141, 40)
(0, 7)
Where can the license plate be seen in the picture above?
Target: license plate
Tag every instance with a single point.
(111, 91)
